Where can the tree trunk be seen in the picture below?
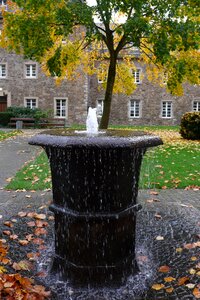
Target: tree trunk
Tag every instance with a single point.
(109, 92)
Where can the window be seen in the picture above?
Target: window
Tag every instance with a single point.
(31, 103)
(60, 107)
(102, 75)
(99, 108)
(2, 70)
(137, 76)
(196, 105)
(166, 109)
(30, 70)
(134, 109)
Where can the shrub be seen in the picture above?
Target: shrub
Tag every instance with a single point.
(5, 117)
(25, 112)
(190, 126)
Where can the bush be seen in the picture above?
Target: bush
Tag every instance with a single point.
(5, 117)
(25, 112)
(190, 126)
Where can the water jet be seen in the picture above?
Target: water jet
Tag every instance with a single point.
(95, 186)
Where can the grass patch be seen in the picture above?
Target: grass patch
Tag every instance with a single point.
(176, 164)
(4, 135)
(170, 166)
(35, 175)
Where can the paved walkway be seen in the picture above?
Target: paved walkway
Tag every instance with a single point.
(168, 221)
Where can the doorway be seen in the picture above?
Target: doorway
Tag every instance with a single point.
(3, 103)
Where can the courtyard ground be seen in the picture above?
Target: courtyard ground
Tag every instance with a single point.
(168, 237)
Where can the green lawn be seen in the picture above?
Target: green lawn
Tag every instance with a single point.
(4, 135)
(176, 164)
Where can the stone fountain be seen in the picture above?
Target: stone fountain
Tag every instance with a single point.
(95, 185)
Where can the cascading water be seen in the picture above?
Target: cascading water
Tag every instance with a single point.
(95, 186)
(91, 122)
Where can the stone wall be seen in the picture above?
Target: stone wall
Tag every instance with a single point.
(85, 91)
(43, 88)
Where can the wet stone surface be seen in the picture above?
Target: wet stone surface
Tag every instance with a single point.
(166, 235)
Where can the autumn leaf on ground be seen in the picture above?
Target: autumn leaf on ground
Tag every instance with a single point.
(7, 232)
(8, 223)
(157, 286)
(183, 280)
(153, 193)
(23, 242)
(159, 238)
(40, 216)
(31, 224)
(40, 290)
(169, 279)
(40, 223)
(2, 269)
(40, 231)
(33, 256)
(22, 214)
(158, 216)
(22, 265)
(196, 293)
(169, 290)
(164, 269)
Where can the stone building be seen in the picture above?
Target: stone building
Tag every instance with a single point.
(22, 83)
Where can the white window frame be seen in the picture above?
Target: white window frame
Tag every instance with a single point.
(31, 70)
(196, 105)
(166, 109)
(99, 107)
(137, 75)
(66, 107)
(29, 99)
(135, 109)
(3, 74)
(101, 76)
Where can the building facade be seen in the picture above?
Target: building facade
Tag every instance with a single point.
(22, 83)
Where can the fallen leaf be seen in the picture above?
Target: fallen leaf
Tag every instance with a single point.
(164, 269)
(8, 223)
(183, 280)
(196, 293)
(29, 237)
(31, 224)
(7, 232)
(23, 242)
(40, 216)
(33, 256)
(157, 286)
(22, 265)
(2, 269)
(169, 290)
(179, 250)
(5, 261)
(159, 238)
(153, 193)
(190, 285)
(40, 231)
(13, 236)
(158, 216)
(169, 279)
(28, 196)
(38, 241)
(193, 258)
(31, 214)
(22, 214)
(192, 271)
(40, 223)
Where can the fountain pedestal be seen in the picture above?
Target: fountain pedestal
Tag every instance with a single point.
(95, 186)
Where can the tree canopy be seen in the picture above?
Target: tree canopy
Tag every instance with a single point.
(64, 34)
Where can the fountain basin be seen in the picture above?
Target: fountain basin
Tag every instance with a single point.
(95, 186)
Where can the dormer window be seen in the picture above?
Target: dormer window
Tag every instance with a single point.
(137, 76)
